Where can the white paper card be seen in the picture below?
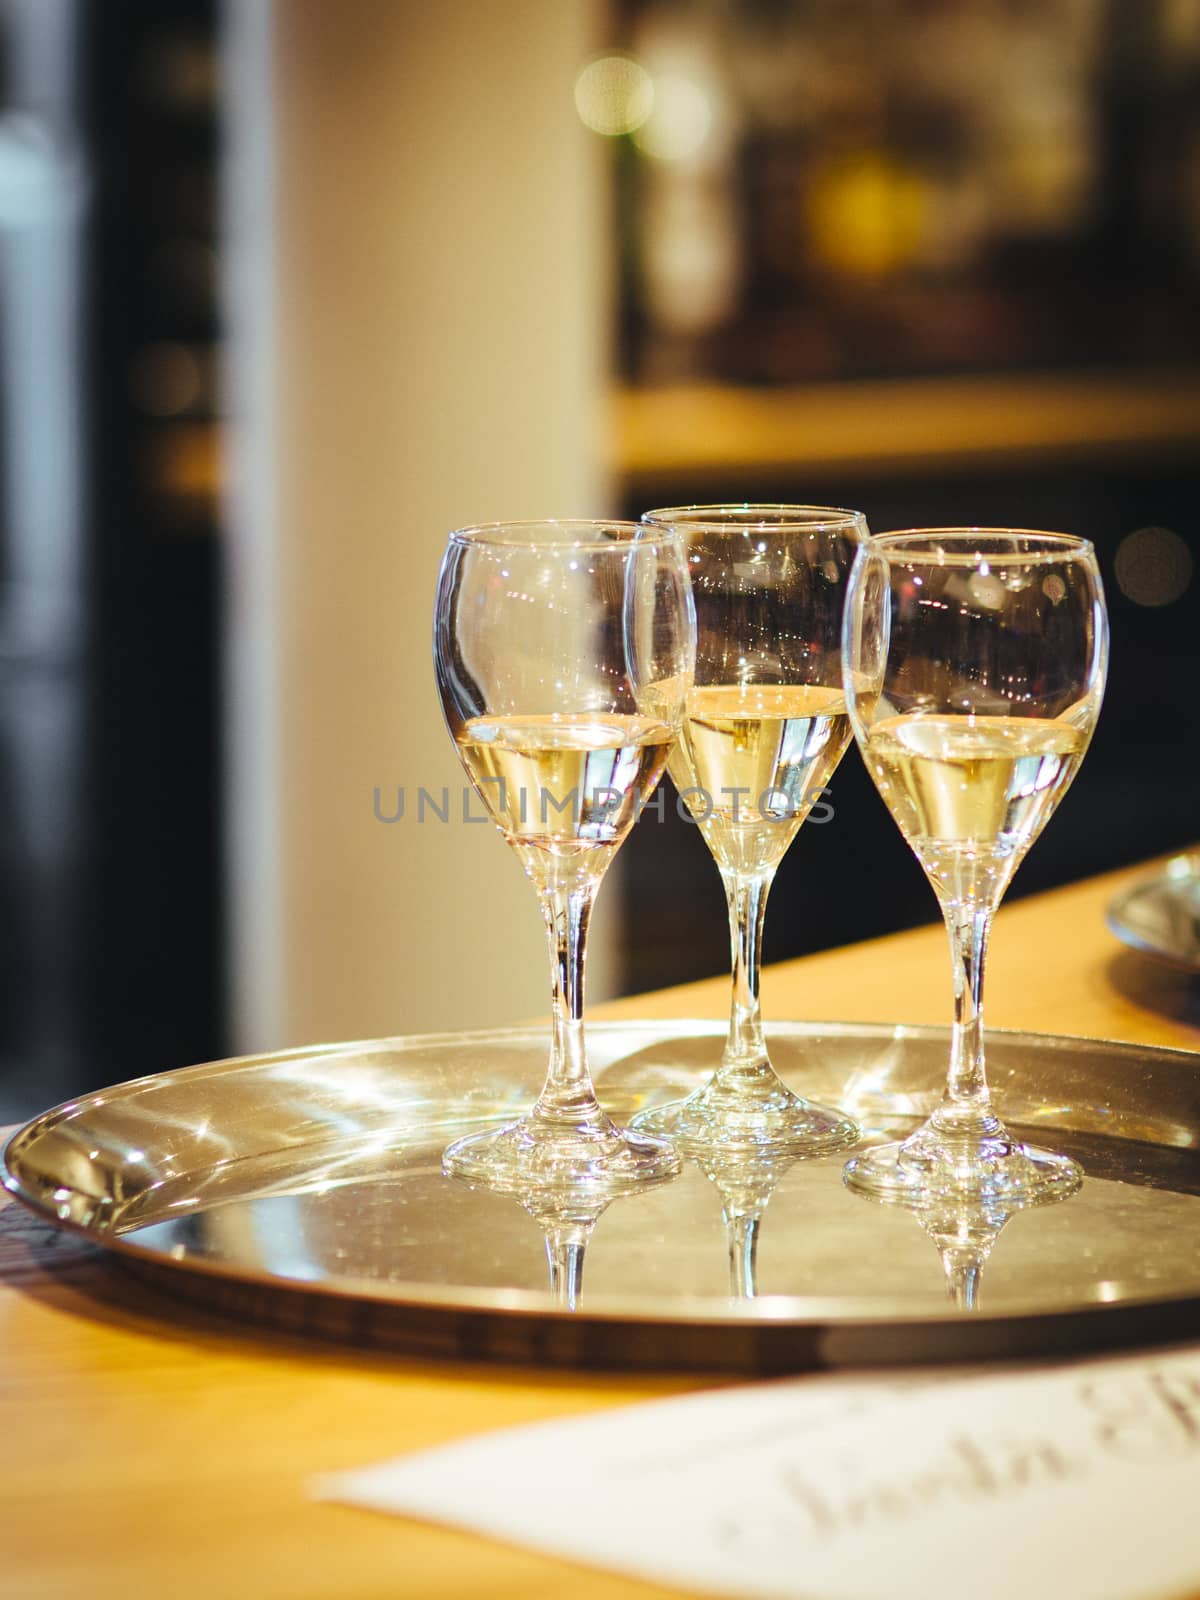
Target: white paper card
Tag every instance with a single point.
(1081, 1480)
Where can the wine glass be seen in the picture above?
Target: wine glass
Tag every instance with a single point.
(564, 652)
(975, 662)
(764, 728)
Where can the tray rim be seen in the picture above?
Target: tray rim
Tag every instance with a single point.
(810, 1314)
(929, 1031)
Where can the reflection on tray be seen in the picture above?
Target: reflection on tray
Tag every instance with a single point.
(322, 1178)
(566, 1216)
(745, 1181)
(965, 1231)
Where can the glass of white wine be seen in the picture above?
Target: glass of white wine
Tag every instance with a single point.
(764, 728)
(975, 663)
(564, 652)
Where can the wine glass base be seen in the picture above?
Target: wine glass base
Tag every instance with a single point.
(776, 1124)
(525, 1158)
(994, 1168)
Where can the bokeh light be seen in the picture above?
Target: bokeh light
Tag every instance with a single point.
(614, 95)
(679, 123)
(164, 379)
(1153, 566)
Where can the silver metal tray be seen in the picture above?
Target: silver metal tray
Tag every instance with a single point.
(303, 1190)
(1161, 915)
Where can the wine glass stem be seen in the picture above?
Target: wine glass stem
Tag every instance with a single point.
(965, 1106)
(567, 1098)
(565, 1248)
(963, 1275)
(741, 1237)
(745, 1062)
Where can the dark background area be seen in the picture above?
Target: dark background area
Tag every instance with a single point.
(889, 187)
(925, 190)
(151, 75)
(110, 765)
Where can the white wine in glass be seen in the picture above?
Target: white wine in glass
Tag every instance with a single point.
(975, 661)
(765, 726)
(564, 652)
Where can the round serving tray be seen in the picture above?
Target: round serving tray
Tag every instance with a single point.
(304, 1190)
(1160, 916)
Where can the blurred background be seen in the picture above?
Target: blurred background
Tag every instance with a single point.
(289, 289)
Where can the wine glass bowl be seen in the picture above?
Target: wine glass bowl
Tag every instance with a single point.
(975, 662)
(764, 728)
(563, 652)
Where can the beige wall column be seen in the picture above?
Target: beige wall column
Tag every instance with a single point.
(418, 336)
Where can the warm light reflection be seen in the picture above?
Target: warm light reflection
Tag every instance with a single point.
(867, 214)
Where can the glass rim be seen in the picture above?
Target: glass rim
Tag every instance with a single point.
(577, 533)
(759, 517)
(928, 546)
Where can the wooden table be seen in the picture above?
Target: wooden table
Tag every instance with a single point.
(148, 1451)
